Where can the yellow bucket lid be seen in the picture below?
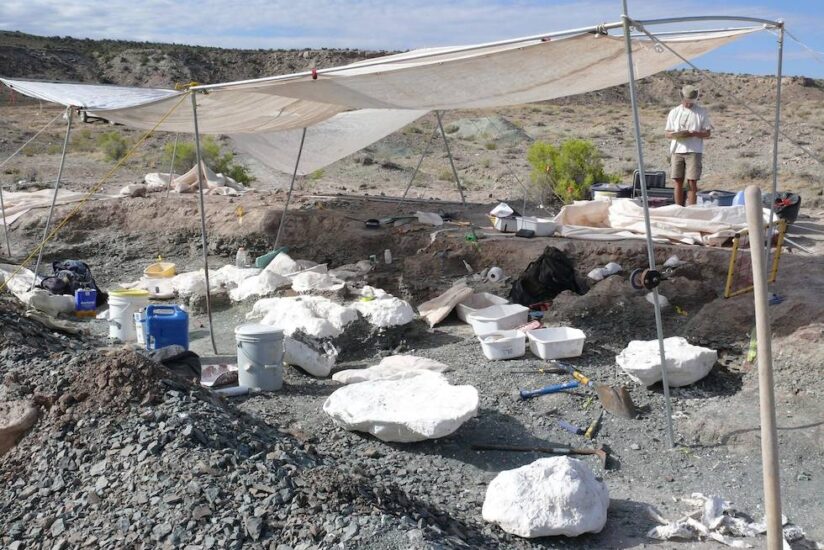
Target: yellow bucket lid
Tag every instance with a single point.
(130, 293)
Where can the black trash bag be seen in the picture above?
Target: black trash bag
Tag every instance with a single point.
(545, 278)
(177, 359)
(70, 276)
(786, 205)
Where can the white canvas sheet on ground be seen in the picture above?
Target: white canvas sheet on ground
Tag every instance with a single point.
(624, 219)
(18, 204)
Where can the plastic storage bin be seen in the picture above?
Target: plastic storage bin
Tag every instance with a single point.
(479, 300)
(556, 342)
(498, 318)
(160, 270)
(506, 344)
(601, 191)
(543, 227)
(166, 326)
(716, 198)
(504, 225)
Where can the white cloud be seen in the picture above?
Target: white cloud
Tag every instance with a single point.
(368, 24)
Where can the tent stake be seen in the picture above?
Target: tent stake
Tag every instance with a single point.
(767, 247)
(172, 168)
(204, 239)
(69, 112)
(451, 161)
(291, 187)
(417, 167)
(769, 434)
(650, 248)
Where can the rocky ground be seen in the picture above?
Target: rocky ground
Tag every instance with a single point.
(127, 454)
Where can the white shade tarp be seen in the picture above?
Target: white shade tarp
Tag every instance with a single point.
(91, 97)
(449, 78)
(265, 116)
(326, 142)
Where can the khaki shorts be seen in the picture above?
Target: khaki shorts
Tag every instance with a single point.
(686, 166)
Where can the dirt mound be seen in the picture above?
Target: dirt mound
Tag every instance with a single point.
(118, 380)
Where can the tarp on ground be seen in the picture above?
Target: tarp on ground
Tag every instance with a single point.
(610, 220)
(21, 202)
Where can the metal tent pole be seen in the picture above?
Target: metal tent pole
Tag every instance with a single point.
(5, 225)
(778, 72)
(204, 239)
(650, 247)
(172, 168)
(451, 161)
(417, 167)
(70, 113)
(769, 434)
(291, 187)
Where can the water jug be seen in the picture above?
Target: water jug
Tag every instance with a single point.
(166, 326)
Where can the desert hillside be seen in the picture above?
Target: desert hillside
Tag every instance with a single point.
(489, 146)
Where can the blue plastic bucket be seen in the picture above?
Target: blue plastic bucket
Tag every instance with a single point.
(166, 326)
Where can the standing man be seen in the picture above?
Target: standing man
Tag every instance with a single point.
(688, 125)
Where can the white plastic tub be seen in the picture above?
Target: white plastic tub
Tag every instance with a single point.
(498, 318)
(543, 227)
(556, 342)
(477, 301)
(505, 225)
(506, 344)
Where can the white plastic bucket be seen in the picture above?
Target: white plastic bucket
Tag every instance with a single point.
(505, 344)
(123, 304)
(259, 357)
(556, 342)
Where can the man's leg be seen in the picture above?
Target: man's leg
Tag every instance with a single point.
(679, 190)
(693, 174)
(692, 195)
(677, 169)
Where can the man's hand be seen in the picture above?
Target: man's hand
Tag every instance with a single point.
(702, 134)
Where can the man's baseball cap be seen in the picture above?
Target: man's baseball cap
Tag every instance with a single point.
(689, 92)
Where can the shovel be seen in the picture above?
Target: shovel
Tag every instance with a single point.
(555, 449)
(615, 400)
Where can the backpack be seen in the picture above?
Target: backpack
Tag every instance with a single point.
(545, 278)
(70, 276)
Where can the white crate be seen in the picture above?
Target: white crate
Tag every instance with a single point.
(556, 342)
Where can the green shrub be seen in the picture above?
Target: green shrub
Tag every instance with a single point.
(568, 170)
(316, 175)
(491, 145)
(114, 145)
(222, 162)
(446, 175)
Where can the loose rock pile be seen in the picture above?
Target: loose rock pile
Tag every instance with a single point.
(127, 453)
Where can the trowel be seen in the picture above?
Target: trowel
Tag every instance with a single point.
(614, 400)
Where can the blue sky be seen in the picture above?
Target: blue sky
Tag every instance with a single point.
(406, 24)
